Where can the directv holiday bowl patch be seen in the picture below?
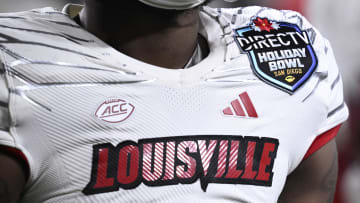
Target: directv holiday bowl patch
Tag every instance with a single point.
(281, 53)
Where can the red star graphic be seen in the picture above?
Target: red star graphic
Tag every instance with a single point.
(263, 24)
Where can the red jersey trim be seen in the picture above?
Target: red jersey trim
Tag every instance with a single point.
(322, 140)
(18, 155)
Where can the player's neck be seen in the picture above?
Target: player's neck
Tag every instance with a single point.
(143, 35)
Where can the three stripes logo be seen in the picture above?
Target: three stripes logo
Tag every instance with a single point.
(242, 107)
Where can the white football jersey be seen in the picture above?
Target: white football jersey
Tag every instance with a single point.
(98, 126)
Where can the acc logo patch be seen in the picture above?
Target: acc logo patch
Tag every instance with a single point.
(114, 110)
(281, 53)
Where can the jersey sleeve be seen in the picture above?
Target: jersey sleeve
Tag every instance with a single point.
(8, 145)
(329, 87)
(337, 110)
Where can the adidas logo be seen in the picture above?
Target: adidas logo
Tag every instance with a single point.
(242, 107)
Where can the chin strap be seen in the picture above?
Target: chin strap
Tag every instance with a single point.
(72, 9)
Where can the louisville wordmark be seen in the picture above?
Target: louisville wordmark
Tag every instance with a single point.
(182, 160)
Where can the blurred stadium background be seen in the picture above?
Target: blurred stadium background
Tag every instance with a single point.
(339, 21)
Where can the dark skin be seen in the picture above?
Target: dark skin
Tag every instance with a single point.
(314, 181)
(169, 42)
(12, 179)
(155, 36)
